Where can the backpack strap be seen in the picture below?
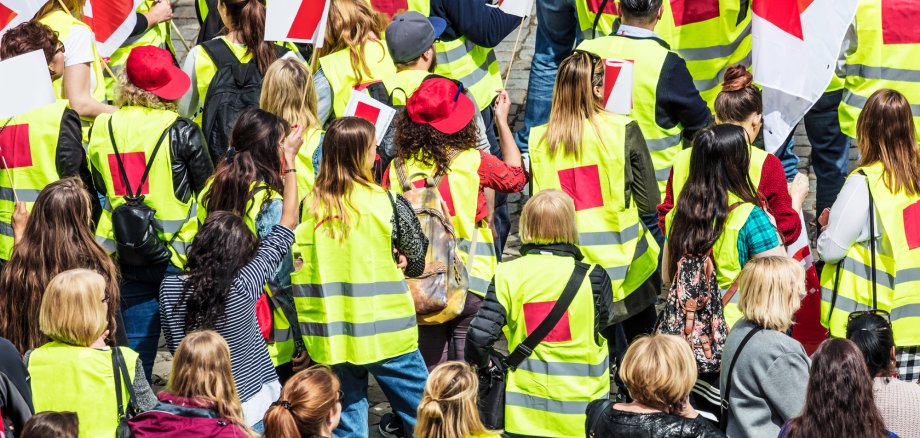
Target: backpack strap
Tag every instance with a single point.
(220, 52)
(723, 403)
(121, 164)
(525, 348)
(872, 273)
(185, 411)
(398, 232)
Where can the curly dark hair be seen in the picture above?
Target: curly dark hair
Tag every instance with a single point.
(429, 146)
(27, 37)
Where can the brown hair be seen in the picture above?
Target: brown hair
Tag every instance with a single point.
(549, 217)
(305, 403)
(448, 408)
(739, 98)
(838, 402)
(659, 371)
(248, 18)
(28, 37)
(885, 133)
(574, 101)
(51, 424)
(58, 237)
(352, 23)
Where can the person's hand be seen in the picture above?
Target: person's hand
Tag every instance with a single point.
(502, 107)
(401, 261)
(798, 191)
(292, 143)
(20, 218)
(100, 343)
(301, 361)
(822, 219)
(160, 11)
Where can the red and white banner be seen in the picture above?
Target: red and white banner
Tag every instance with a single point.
(112, 22)
(14, 12)
(796, 47)
(26, 84)
(299, 21)
(362, 105)
(521, 8)
(807, 329)
(618, 86)
(390, 7)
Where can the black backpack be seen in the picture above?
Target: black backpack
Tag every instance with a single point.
(234, 89)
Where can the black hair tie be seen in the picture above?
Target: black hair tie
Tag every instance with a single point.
(231, 151)
(283, 403)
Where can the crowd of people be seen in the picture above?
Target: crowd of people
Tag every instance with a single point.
(285, 252)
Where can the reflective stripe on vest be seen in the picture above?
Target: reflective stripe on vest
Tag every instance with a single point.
(90, 384)
(460, 190)
(136, 130)
(847, 285)
(610, 233)
(342, 79)
(345, 293)
(648, 56)
(547, 394)
(884, 58)
(30, 141)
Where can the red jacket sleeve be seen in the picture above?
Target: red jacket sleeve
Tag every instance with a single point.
(498, 176)
(667, 204)
(775, 191)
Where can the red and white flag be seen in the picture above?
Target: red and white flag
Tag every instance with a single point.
(362, 105)
(299, 21)
(521, 8)
(618, 86)
(14, 12)
(390, 7)
(796, 47)
(112, 22)
(808, 329)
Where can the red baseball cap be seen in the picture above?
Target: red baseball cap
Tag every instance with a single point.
(440, 102)
(152, 69)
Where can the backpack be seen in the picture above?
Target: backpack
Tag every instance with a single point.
(440, 292)
(235, 88)
(694, 310)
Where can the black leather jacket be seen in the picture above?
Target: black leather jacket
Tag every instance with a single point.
(621, 424)
(191, 164)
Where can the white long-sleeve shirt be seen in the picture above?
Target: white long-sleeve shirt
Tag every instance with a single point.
(848, 223)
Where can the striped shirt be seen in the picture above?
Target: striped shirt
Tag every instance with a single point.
(256, 380)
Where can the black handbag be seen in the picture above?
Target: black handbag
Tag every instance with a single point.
(491, 402)
(122, 377)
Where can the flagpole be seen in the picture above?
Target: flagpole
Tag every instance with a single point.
(517, 40)
(9, 175)
(174, 28)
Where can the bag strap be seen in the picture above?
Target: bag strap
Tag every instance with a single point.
(291, 314)
(220, 52)
(723, 403)
(395, 238)
(119, 367)
(597, 18)
(524, 349)
(147, 166)
(872, 273)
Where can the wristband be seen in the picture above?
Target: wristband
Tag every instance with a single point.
(291, 170)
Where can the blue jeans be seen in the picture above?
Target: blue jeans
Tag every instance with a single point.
(557, 32)
(830, 149)
(402, 380)
(140, 289)
(501, 216)
(788, 158)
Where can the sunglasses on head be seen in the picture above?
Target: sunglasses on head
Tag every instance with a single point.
(879, 312)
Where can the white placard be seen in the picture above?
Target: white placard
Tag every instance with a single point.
(521, 8)
(366, 107)
(618, 86)
(299, 21)
(26, 84)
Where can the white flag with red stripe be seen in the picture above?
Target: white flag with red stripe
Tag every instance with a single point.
(14, 12)
(112, 22)
(796, 47)
(521, 8)
(807, 329)
(362, 105)
(299, 21)
(618, 86)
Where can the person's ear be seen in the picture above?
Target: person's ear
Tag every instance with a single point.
(429, 54)
(660, 12)
(894, 357)
(599, 92)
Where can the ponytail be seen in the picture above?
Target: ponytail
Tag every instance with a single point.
(248, 18)
(307, 400)
(280, 422)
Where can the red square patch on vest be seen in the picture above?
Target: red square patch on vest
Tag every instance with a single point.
(583, 184)
(693, 11)
(610, 8)
(912, 225)
(899, 19)
(135, 163)
(535, 313)
(15, 147)
(444, 189)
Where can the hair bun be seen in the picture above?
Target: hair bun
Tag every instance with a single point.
(736, 78)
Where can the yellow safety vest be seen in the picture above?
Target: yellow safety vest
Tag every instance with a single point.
(159, 36)
(136, 131)
(588, 11)
(342, 79)
(353, 302)
(881, 60)
(548, 392)
(609, 231)
(648, 56)
(403, 85)
(847, 285)
(61, 23)
(462, 60)
(306, 174)
(67, 378)
(460, 190)
(30, 145)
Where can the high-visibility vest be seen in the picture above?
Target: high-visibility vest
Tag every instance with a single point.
(353, 302)
(609, 230)
(460, 190)
(648, 56)
(462, 60)
(884, 58)
(30, 141)
(403, 85)
(136, 131)
(67, 378)
(159, 35)
(847, 285)
(342, 79)
(548, 392)
(681, 169)
(588, 11)
(711, 36)
(306, 174)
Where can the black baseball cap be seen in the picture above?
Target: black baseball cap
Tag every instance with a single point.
(410, 34)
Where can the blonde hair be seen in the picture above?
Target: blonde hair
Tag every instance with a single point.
(659, 370)
(73, 309)
(310, 397)
(73, 7)
(352, 23)
(771, 291)
(549, 217)
(287, 92)
(128, 94)
(201, 371)
(448, 407)
(574, 101)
